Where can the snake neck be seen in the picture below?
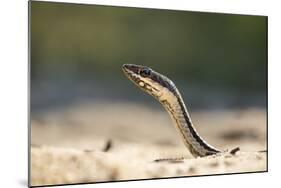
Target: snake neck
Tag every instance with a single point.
(177, 110)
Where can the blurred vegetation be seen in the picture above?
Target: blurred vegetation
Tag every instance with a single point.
(89, 43)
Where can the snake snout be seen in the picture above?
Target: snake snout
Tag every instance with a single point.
(131, 67)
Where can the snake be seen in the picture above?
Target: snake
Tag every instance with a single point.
(165, 91)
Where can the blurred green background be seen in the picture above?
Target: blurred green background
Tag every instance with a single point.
(216, 60)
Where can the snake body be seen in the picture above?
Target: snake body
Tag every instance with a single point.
(165, 91)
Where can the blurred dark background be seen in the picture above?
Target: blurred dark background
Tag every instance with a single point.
(216, 60)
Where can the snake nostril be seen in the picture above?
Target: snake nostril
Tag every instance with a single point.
(125, 66)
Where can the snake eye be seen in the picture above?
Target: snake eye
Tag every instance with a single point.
(145, 72)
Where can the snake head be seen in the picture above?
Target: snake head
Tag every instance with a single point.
(149, 80)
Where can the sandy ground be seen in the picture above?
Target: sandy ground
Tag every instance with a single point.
(110, 142)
